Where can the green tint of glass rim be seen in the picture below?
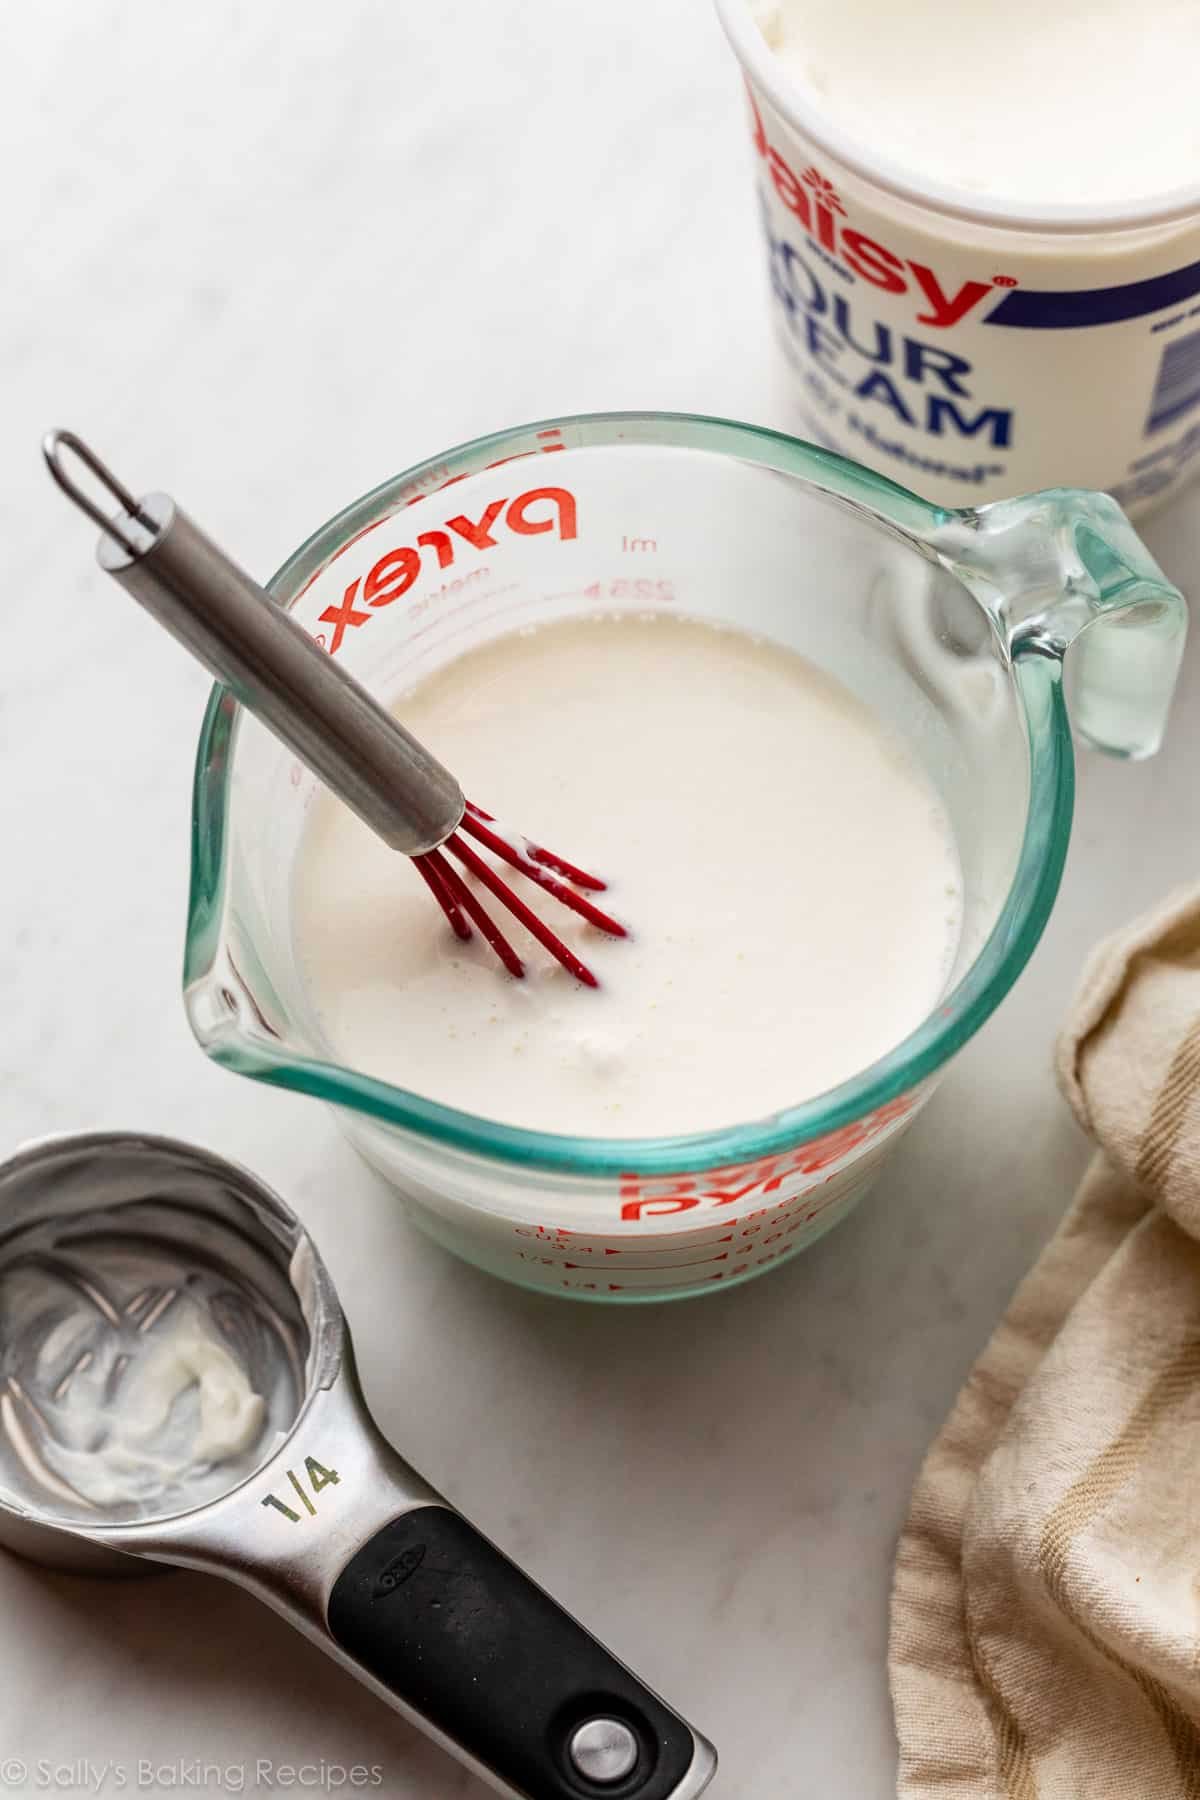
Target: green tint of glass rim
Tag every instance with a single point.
(953, 1021)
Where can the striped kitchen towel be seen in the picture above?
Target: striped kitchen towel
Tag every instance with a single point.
(1045, 1639)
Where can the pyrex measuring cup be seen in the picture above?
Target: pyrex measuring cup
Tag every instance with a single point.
(104, 1239)
(952, 626)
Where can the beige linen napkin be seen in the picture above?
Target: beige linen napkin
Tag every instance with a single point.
(1045, 1640)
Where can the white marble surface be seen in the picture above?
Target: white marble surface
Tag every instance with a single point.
(265, 255)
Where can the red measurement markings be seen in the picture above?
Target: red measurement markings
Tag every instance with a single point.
(428, 482)
(661, 1268)
(634, 588)
(779, 1244)
(661, 1196)
(547, 441)
(559, 1247)
(779, 1223)
(758, 1238)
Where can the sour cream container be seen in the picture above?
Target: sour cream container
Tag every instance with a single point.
(962, 346)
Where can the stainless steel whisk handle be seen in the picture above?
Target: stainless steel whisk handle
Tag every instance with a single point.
(271, 664)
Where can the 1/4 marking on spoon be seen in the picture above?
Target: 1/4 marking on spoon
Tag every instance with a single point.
(318, 1477)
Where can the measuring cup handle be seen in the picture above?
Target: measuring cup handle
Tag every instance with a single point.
(449, 1626)
(1067, 565)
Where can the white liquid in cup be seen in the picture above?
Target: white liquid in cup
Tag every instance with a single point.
(788, 874)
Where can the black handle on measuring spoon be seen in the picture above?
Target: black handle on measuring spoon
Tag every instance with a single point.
(459, 1635)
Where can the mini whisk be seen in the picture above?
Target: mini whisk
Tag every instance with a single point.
(326, 717)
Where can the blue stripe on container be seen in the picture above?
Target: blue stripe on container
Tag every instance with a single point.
(1028, 309)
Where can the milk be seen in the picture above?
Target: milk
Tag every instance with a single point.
(787, 874)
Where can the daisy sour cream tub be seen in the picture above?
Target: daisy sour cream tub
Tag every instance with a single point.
(983, 231)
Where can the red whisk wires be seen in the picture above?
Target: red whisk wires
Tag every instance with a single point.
(558, 877)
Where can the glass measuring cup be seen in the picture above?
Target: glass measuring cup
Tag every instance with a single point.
(953, 626)
(104, 1238)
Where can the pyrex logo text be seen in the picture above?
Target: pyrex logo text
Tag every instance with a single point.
(648, 1197)
(536, 511)
(812, 198)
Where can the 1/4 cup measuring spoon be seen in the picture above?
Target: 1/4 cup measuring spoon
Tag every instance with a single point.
(320, 712)
(126, 1257)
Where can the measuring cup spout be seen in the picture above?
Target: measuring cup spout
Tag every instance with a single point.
(1063, 565)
